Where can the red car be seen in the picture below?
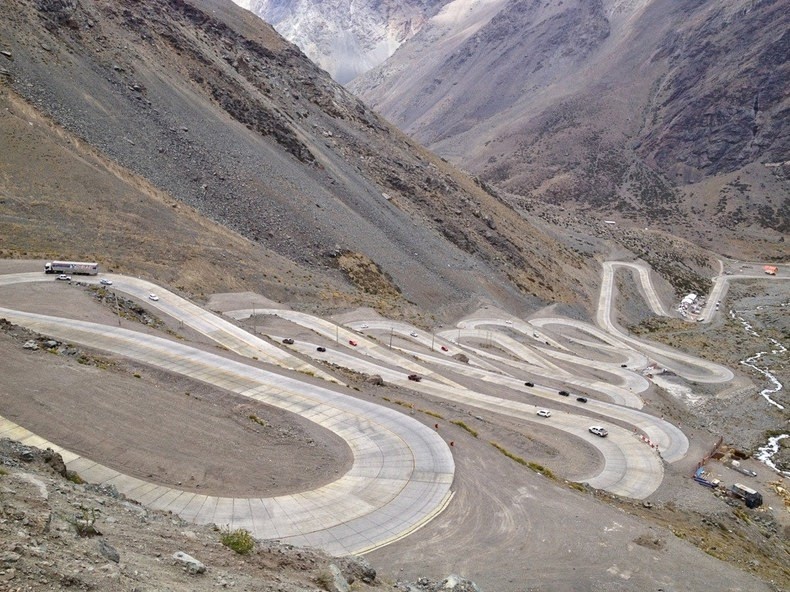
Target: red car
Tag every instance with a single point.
(444, 348)
(352, 342)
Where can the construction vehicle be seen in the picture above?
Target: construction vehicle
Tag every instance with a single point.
(702, 477)
(751, 498)
(71, 267)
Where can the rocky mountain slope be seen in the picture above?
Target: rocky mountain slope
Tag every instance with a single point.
(59, 533)
(344, 37)
(201, 104)
(646, 111)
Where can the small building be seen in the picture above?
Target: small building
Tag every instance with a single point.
(689, 299)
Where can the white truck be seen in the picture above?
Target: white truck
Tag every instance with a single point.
(71, 267)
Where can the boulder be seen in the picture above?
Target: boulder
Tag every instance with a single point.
(108, 551)
(189, 563)
(54, 460)
(339, 582)
(357, 568)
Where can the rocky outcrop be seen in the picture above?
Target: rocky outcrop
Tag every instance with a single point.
(724, 100)
(58, 534)
(345, 38)
(609, 107)
(216, 110)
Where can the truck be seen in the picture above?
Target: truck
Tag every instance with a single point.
(751, 498)
(71, 267)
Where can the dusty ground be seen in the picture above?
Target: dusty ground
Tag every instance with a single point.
(151, 424)
(40, 548)
(557, 537)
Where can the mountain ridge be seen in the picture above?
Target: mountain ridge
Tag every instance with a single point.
(243, 128)
(536, 98)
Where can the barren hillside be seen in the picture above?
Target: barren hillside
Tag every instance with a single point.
(200, 104)
(650, 112)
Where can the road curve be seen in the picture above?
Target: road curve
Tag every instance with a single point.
(631, 468)
(212, 326)
(400, 477)
(678, 362)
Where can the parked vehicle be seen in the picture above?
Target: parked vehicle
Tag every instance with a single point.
(72, 267)
(581, 399)
(153, 297)
(413, 333)
(444, 348)
(751, 498)
(415, 377)
(565, 393)
(599, 431)
(529, 384)
(288, 341)
(352, 342)
(320, 348)
(544, 413)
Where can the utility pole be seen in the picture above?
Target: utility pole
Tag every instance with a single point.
(391, 331)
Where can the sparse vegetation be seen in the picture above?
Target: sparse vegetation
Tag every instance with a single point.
(509, 454)
(324, 579)
(462, 425)
(432, 413)
(85, 524)
(74, 477)
(239, 540)
(538, 468)
(257, 420)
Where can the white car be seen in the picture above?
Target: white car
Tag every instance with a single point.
(365, 325)
(544, 413)
(105, 282)
(599, 431)
(64, 277)
(508, 322)
(153, 297)
(413, 333)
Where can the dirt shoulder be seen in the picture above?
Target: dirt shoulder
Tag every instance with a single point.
(163, 428)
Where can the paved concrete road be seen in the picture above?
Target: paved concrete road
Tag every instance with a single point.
(212, 326)
(400, 477)
(721, 284)
(631, 467)
(687, 366)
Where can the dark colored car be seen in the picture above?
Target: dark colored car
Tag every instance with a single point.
(288, 341)
(565, 393)
(581, 399)
(415, 377)
(320, 348)
(529, 384)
